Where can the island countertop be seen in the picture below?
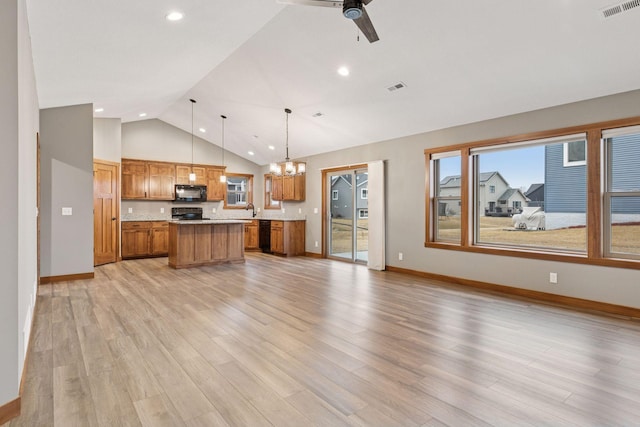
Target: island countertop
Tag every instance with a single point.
(208, 221)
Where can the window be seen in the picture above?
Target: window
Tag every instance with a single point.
(446, 205)
(622, 193)
(239, 191)
(492, 189)
(269, 203)
(562, 226)
(363, 213)
(334, 194)
(574, 153)
(364, 193)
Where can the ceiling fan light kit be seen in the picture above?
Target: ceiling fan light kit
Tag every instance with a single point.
(352, 9)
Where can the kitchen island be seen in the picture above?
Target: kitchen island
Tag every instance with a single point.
(205, 242)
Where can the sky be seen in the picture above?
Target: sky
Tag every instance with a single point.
(520, 167)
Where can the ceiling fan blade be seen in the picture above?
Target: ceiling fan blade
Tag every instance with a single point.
(321, 3)
(365, 25)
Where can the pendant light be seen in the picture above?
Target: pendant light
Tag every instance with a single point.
(192, 175)
(223, 177)
(288, 167)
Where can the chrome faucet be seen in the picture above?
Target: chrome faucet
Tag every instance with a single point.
(253, 209)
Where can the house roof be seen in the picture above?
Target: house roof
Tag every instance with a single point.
(453, 181)
(532, 188)
(510, 192)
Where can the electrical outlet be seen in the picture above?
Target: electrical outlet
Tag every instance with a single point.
(315, 210)
(316, 243)
(161, 210)
(299, 210)
(553, 277)
(130, 210)
(283, 211)
(67, 211)
(400, 256)
(213, 210)
(258, 210)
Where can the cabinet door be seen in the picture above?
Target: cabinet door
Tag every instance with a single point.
(215, 188)
(288, 184)
(135, 243)
(251, 235)
(299, 189)
(277, 237)
(160, 238)
(183, 171)
(134, 179)
(162, 178)
(276, 187)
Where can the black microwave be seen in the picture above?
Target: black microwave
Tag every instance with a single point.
(190, 193)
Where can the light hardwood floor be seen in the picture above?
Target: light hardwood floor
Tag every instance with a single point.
(302, 341)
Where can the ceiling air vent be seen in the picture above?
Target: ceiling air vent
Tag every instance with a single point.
(619, 8)
(400, 85)
(318, 114)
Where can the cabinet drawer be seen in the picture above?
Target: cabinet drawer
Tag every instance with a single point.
(159, 224)
(277, 224)
(136, 225)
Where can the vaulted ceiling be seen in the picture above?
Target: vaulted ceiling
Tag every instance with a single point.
(461, 62)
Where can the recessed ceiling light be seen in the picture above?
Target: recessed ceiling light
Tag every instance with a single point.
(142, 115)
(203, 130)
(99, 110)
(174, 16)
(251, 153)
(271, 147)
(343, 71)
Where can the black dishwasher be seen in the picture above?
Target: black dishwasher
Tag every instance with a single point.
(265, 236)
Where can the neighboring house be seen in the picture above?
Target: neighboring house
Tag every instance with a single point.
(495, 197)
(565, 189)
(342, 199)
(535, 194)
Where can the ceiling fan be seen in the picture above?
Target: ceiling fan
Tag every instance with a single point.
(351, 9)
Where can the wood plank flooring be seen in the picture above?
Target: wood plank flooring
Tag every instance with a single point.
(302, 341)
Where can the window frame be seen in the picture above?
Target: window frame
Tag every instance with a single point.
(595, 221)
(364, 193)
(335, 194)
(361, 211)
(268, 201)
(248, 191)
(565, 156)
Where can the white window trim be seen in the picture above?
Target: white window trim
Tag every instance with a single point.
(334, 194)
(565, 155)
(360, 214)
(364, 193)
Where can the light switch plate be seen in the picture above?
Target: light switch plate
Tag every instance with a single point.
(67, 211)
(130, 210)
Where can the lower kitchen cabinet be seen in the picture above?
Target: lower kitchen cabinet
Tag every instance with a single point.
(251, 242)
(142, 239)
(287, 238)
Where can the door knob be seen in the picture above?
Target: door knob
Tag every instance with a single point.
(113, 219)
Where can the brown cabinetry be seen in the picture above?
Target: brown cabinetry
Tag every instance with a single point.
(144, 239)
(192, 245)
(288, 188)
(162, 179)
(147, 180)
(215, 188)
(251, 242)
(183, 171)
(287, 238)
(134, 179)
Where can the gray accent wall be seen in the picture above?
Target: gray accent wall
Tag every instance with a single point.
(67, 182)
(405, 205)
(18, 245)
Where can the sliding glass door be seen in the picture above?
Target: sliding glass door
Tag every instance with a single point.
(348, 215)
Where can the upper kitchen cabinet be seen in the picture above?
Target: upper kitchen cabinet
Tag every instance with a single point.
(289, 187)
(215, 188)
(147, 180)
(134, 179)
(162, 180)
(183, 171)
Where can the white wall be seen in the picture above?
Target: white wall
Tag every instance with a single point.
(67, 181)
(18, 129)
(406, 208)
(107, 139)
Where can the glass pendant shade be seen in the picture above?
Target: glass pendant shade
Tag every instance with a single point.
(289, 168)
(192, 177)
(223, 178)
(302, 168)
